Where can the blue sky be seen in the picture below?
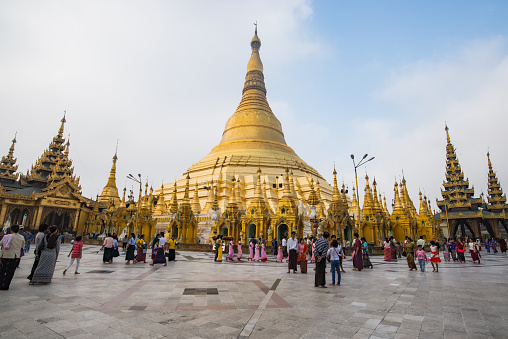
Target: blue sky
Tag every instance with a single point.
(342, 77)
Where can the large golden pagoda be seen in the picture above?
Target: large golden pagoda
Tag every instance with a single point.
(254, 152)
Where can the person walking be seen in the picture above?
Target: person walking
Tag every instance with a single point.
(125, 241)
(357, 253)
(108, 247)
(38, 237)
(320, 253)
(460, 250)
(131, 247)
(50, 247)
(410, 254)
(334, 254)
(76, 253)
(434, 256)
(171, 244)
(366, 259)
(251, 250)
(422, 257)
(218, 246)
(231, 252)
(239, 253)
(275, 245)
(386, 250)
(473, 251)
(264, 257)
(256, 251)
(292, 246)
(160, 258)
(12, 244)
(446, 249)
(142, 247)
(279, 254)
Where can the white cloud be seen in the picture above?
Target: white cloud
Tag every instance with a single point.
(163, 77)
(467, 89)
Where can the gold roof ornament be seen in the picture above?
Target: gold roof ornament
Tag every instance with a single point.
(161, 208)
(174, 202)
(8, 165)
(496, 198)
(195, 205)
(313, 198)
(397, 203)
(110, 191)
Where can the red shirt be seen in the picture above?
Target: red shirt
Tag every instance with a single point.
(76, 249)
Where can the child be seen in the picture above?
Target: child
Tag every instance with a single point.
(434, 256)
(422, 257)
(76, 253)
(279, 254)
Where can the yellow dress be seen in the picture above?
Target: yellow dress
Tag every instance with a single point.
(219, 249)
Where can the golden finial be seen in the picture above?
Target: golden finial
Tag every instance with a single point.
(447, 134)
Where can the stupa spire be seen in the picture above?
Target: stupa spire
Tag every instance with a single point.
(174, 201)
(195, 205)
(456, 193)
(336, 195)
(110, 191)
(496, 197)
(258, 193)
(160, 208)
(253, 119)
(397, 203)
(8, 165)
(313, 198)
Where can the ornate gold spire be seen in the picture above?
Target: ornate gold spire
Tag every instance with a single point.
(292, 183)
(353, 210)
(174, 202)
(287, 186)
(313, 198)
(336, 193)
(160, 208)
(397, 203)
(368, 201)
(495, 197)
(258, 192)
(385, 208)
(377, 204)
(186, 199)
(8, 166)
(196, 206)
(456, 193)
(423, 207)
(110, 191)
(122, 203)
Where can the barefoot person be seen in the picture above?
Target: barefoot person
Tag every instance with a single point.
(434, 256)
(292, 247)
(76, 253)
(320, 253)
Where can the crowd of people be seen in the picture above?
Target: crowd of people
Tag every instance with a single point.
(297, 252)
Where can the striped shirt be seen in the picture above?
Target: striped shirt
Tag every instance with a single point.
(321, 248)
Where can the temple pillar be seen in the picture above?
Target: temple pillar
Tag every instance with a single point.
(39, 216)
(3, 211)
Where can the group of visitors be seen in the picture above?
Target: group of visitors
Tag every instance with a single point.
(136, 249)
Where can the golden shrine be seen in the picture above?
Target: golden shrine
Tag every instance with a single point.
(49, 192)
(252, 184)
(465, 214)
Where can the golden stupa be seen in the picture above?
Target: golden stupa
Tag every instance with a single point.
(252, 140)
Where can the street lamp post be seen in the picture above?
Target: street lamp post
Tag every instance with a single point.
(360, 163)
(139, 181)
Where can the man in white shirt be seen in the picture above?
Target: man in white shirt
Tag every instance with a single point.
(420, 241)
(292, 244)
(284, 242)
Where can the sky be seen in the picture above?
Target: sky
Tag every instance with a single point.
(163, 77)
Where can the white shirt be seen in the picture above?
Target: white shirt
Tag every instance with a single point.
(334, 253)
(162, 241)
(283, 242)
(292, 244)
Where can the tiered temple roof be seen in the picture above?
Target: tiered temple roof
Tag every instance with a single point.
(496, 197)
(8, 167)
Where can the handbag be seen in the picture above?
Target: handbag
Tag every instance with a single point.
(40, 247)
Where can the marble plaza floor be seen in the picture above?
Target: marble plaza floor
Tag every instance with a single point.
(197, 298)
